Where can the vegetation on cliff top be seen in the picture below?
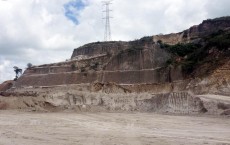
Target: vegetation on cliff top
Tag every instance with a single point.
(209, 51)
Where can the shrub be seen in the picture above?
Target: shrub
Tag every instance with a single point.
(94, 65)
(146, 39)
(73, 66)
(29, 65)
(82, 69)
(188, 66)
(182, 49)
(221, 41)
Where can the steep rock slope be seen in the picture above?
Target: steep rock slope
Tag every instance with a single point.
(188, 57)
(6, 85)
(193, 34)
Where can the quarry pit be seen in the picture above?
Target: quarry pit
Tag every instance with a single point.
(147, 91)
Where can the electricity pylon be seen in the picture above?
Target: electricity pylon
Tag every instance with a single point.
(107, 35)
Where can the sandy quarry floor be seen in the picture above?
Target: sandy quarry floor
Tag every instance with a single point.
(17, 128)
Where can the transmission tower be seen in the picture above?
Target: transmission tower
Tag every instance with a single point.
(107, 35)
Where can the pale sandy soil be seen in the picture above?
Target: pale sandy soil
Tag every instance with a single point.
(226, 99)
(28, 128)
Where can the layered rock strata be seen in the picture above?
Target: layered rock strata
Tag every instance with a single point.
(133, 63)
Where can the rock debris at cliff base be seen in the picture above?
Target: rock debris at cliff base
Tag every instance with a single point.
(113, 98)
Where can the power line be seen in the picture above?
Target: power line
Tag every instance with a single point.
(107, 33)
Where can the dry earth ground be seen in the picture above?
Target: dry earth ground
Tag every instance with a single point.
(29, 128)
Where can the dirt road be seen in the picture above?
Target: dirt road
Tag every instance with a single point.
(17, 128)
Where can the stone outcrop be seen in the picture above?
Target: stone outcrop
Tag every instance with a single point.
(6, 85)
(98, 48)
(125, 63)
(136, 62)
(194, 33)
(111, 98)
(146, 75)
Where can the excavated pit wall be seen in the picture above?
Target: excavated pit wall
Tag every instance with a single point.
(110, 97)
(120, 77)
(132, 66)
(135, 62)
(196, 32)
(98, 48)
(49, 69)
(179, 103)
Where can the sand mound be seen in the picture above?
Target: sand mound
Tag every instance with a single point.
(110, 97)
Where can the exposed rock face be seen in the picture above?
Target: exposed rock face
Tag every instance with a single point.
(98, 48)
(206, 28)
(144, 75)
(132, 63)
(6, 85)
(112, 97)
(137, 62)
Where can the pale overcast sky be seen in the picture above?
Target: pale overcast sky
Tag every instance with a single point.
(45, 31)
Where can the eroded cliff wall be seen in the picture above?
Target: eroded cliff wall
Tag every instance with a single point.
(127, 66)
(194, 33)
(141, 61)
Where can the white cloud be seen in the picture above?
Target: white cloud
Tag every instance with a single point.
(5, 73)
(38, 31)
